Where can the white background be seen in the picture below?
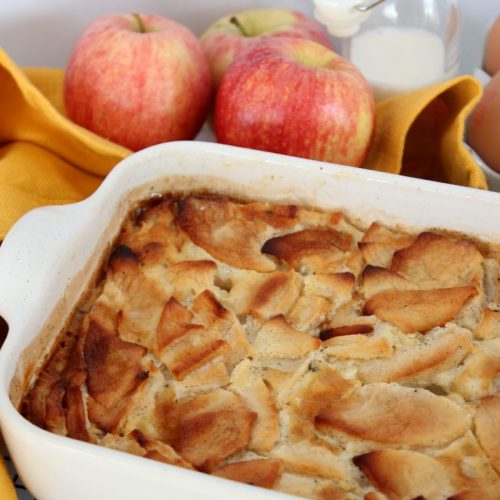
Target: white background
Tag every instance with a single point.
(42, 32)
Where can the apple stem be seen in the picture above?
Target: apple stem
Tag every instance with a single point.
(237, 23)
(138, 18)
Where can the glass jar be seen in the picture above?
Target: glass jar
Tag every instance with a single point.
(404, 45)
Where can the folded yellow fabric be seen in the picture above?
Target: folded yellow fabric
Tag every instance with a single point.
(7, 490)
(420, 134)
(44, 158)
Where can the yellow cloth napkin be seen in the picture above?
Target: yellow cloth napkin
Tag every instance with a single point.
(46, 159)
(420, 134)
(7, 490)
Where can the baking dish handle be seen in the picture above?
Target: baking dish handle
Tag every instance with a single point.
(30, 261)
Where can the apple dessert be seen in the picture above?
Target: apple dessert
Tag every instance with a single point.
(287, 348)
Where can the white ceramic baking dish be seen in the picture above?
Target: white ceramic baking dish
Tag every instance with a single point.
(50, 255)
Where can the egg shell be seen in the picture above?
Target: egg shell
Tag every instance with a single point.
(484, 125)
(492, 49)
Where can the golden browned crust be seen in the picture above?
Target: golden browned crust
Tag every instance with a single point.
(130, 303)
(308, 312)
(394, 414)
(378, 279)
(336, 287)
(319, 250)
(146, 235)
(34, 407)
(113, 366)
(487, 422)
(161, 452)
(174, 323)
(405, 474)
(435, 261)
(468, 465)
(208, 428)
(314, 387)
(285, 347)
(137, 443)
(418, 310)
(311, 459)
(224, 324)
(480, 371)
(247, 383)
(379, 243)
(489, 327)
(277, 339)
(195, 353)
(377, 233)
(183, 280)
(265, 295)
(358, 346)
(232, 233)
(259, 472)
(76, 419)
(441, 351)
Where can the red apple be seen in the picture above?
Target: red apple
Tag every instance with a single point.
(230, 35)
(296, 97)
(138, 80)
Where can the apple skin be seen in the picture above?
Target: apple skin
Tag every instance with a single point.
(296, 97)
(138, 80)
(225, 39)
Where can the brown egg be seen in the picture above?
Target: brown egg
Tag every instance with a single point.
(492, 49)
(484, 125)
